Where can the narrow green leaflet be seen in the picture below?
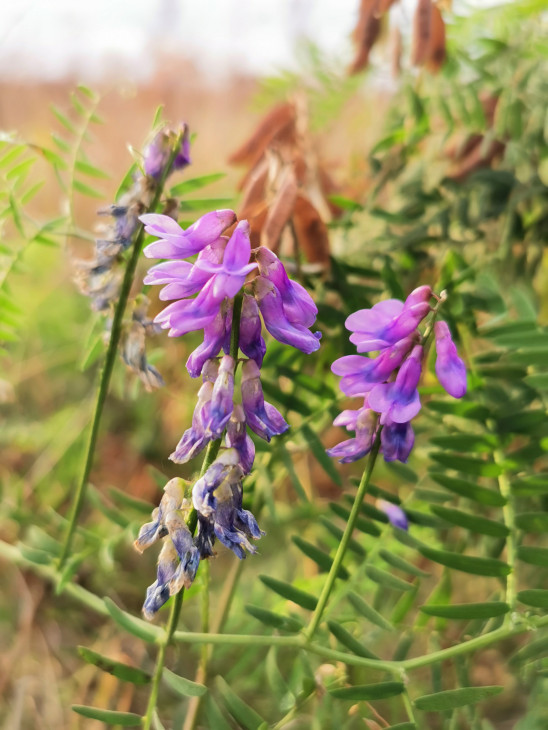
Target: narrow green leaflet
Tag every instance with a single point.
(290, 468)
(286, 590)
(368, 612)
(118, 669)
(467, 610)
(467, 464)
(401, 564)
(87, 169)
(535, 650)
(132, 624)
(533, 522)
(368, 692)
(467, 563)
(470, 490)
(88, 190)
(109, 717)
(346, 639)
(363, 525)
(383, 578)
(536, 597)
(276, 620)
(244, 715)
(182, 686)
(322, 560)
(453, 698)
(195, 183)
(337, 533)
(533, 555)
(482, 525)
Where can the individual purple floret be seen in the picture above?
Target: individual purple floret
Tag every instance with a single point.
(157, 154)
(390, 380)
(277, 322)
(216, 338)
(176, 243)
(361, 374)
(262, 417)
(450, 369)
(238, 438)
(222, 398)
(399, 400)
(363, 422)
(388, 321)
(251, 343)
(397, 440)
(395, 514)
(299, 308)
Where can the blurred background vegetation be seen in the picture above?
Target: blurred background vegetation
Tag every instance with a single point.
(379, 183)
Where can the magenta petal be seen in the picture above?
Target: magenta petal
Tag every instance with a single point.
(168, 272)
(158, 225)
(350, 364)
(238, 248)
(375, 319)
(450, 369)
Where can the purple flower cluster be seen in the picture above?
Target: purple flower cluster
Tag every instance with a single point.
(100, 277)
(388, 382)
(213, 294)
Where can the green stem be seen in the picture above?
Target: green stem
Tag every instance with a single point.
(106, 373)
(341, 550)
(509, 516)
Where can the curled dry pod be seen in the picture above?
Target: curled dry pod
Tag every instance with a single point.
(311, 231)
(365, 34)
(280, 210)
(279, 122)
(422, 26)
(437, 51)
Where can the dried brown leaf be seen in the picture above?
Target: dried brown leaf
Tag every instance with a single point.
(422, 24)
(437, 51)
(280, 210)
(365, 34)
(278, 121)
(254, 192)
(311, 231)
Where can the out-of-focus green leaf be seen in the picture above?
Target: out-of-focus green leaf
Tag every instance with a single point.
(286, 590)
(109, 717)
(368, 692)
(118, 669)
(452, 698)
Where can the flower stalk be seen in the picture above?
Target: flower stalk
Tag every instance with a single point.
(108, 367)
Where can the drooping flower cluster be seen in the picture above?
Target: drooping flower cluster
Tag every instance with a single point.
(214, 294)
(388, 382)
(100, 277)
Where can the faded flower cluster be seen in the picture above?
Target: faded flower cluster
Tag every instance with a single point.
(224, 292)
(388, 382)
(100, 277)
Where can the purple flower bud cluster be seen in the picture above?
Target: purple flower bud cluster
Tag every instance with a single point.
(214, 294)
(100, 277)
(389, 382)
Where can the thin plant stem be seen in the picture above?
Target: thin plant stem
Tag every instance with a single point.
(108, 367)
(341, 550)
(209, 458)
(509, 516)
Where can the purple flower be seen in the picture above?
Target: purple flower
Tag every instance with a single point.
(189, 557)
(399, 401)
(298, 305)
(389, 321)
(175, 243)
(363, 422)
(450, 369)
(187, 315)
(395, 514)
(277, 322)
(229, 276)
(361, 374)
(153, 531)
(262, 417)
(216, 337)
(238, 438)
(397, 440)
(158, 593)
(234, 526)
(222, 398)
(196, 437)
(251, 343)
(158, 152)
(203, 497)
